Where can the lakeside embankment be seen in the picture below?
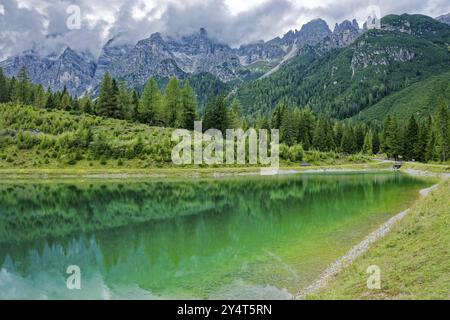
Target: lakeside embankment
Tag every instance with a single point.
(183, 172)
(412, 251)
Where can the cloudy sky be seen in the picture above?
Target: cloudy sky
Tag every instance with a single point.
(43, 24)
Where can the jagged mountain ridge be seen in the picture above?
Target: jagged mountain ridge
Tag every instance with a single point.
(166, 56)
(342, 82)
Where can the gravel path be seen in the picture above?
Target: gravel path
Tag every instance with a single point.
(345, 261)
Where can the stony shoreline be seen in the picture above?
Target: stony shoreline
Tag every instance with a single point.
(346, 260)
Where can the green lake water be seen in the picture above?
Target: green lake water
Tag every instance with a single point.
(230, 238)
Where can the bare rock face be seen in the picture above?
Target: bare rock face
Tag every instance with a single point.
(444, 18)
(70, 69)
(164, 57)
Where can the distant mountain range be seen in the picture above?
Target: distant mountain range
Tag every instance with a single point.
(406, 51)
(351, 71)
(166, 56)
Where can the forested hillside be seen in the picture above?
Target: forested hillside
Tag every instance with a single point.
(419, 99)
(343, 82)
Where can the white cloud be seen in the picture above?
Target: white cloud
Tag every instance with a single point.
(27, 24)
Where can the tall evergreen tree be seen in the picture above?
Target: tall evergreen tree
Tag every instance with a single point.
(216, 114)
(50, 104)
(12, 89)
(3, 87)
(124, 102)
(278, 114)
(431, 154)
(235, 115)
(306, 127)
(173, 102)
(368, 143)
(150, 105)
(411, 140)
(323, 139)
(443, 131)
(107, 99)
(40, 98)
(348, 144)
(189, 111)
(424, 137)
(392, 138)
(287, 129)
(22, 93)
(65, 102)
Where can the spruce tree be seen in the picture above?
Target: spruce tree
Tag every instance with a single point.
(431, 153)
(150, 105)
(107, 99)
(3, 87)
(359, 137)
(124, 102)
(12, 89)
(216, 114)
(40, 98)
(306, 127)
(22, 92)
(189, 111)
(368, 143)
(442, 131)
(65, 102)
(411, 140)
(287, 130)
(392, 138)
(235, 115)
(277, 115)
(323, 139)
(173, 102)
(348, 144)
(50, 104)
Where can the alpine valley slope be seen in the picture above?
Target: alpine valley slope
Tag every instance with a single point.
(342, 82)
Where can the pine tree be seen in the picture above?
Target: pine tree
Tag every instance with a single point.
(424, 138)
(22, 92)
(348, 144)
(173, 102)
(50, 104)
(287, 130)
(3, 87)
(323, 139)
(40, 98)
(338, 134)
(75, 104)
(359, 137)
(150, 105)
(65, 102)
(277, 115)
(442, 131)
(216, 114)
(392, 138)
(306, 125)
(431, 154)
(235, 115)
(124, 102)
(368, 143)
(189, 102)
(107, 99)
(411, 140)
(86, 104)
(12, 89)
(135, 102)
(376, 141)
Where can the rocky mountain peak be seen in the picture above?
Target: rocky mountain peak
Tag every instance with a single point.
(444, 18)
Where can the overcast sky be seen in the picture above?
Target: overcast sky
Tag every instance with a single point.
(42, 24)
